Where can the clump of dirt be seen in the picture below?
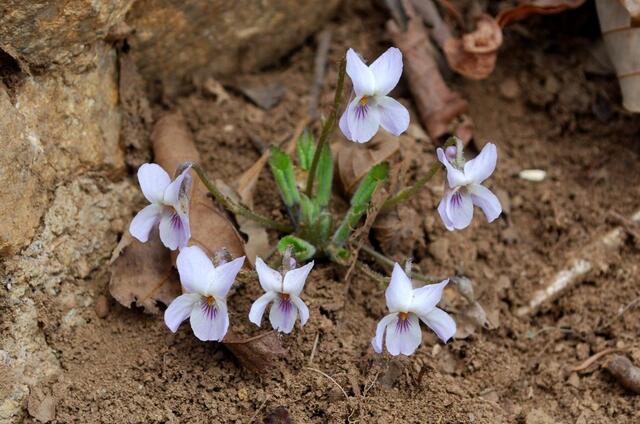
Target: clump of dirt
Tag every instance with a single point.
(128, 368)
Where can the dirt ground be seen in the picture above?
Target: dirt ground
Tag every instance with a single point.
(560, 117)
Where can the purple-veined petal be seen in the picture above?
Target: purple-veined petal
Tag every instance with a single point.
(344, 123)
(143, 222)
(363, 120)
(387, 69)
(394, 117)
(482, 166)
(210, 322)
(485, 200)
(258, 307)
(283, 315)
(427, 297)
(455, 177)
(177, 193)
(174, 230)
(270, 279)
(224, 276)
(153, 181)
(302, 309)
(399, 291)
(442, 210)
(195, 268)
(360, 74)
(376, 342)
(404, 335)
(294, 280)
(180, 309)
(459, 209)
(441, 323)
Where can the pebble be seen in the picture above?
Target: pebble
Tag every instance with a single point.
(510, 89)
(102, 306)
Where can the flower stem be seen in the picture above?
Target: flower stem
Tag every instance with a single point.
(236, 208)
(328, 127)
(382, 280)
(407, 192)
(386, 262)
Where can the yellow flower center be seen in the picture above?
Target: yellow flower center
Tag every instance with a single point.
(364, 100)
(210, 300)
(403, 315)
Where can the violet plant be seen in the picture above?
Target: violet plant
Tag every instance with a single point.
(314, 230)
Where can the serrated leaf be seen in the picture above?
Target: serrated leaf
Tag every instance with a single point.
(282, 169)
(305, 148)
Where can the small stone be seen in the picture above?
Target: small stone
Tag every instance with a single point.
(439, 249)
(574, 380)
(510, 89)
(41, 406)
(538, 416)
(102, 306)
(582, 351)
(552, 85)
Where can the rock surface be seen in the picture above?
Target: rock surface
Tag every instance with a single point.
(52, 128)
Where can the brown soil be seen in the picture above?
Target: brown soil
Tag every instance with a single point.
(127, 368)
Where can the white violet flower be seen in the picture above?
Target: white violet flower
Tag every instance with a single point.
(463, 188)
(407, 306)
(285, 295)
(371, 107)
(205, 299)
(169, 206)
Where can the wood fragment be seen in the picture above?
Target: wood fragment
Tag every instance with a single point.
(623, 370)
(323, 41)
(596, 255)
(593, 359)
(438, 106)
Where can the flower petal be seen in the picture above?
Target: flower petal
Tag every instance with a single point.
(302, 309)
(459, 209)
(427, 297)
(294, 280)
(455, 177)
(482, 166)
(442, 210)
(153, 181)
(394, 117)
(485, 200)
(195, 268)
(258, 307)
(210, 322)
(270, 279)
(174, 230)
(404, 336)
(441, 323)
(387, 69)
(376, 342)
(143, 222)
(179, 310)
(399, 292)
(360, 74)
(177, 193)
(283, 315)
(224, 276)
(344, 124)
(363, 120)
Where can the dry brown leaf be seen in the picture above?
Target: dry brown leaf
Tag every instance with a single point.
(474, 55)
(256, 353)
(355, 160)
(535, 7)
(633, 7)
(210, 228)
(142, 274)
(399, 230)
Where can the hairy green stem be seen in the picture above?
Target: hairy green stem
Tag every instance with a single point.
(384, 261)
(327, 129)
(407, 192)
(382, 280)
(236, 208)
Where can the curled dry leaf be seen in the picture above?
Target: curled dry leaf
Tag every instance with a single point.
(355, 160)
(474, 55)
(255, 353)
(623, 370)
(535, 7)
(438, 106)
(399, 230)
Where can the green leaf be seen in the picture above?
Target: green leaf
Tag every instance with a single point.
(360, 202)
(282, 169)
(306, 148)
(302, 249)
(309, 210)
(324, 177)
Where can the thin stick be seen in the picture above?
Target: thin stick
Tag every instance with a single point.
(384, 261)
(330, 378)
(238, 209)
(323, 40)
(592, 359)
(253, 418)
(328, 127)
(313, 349)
